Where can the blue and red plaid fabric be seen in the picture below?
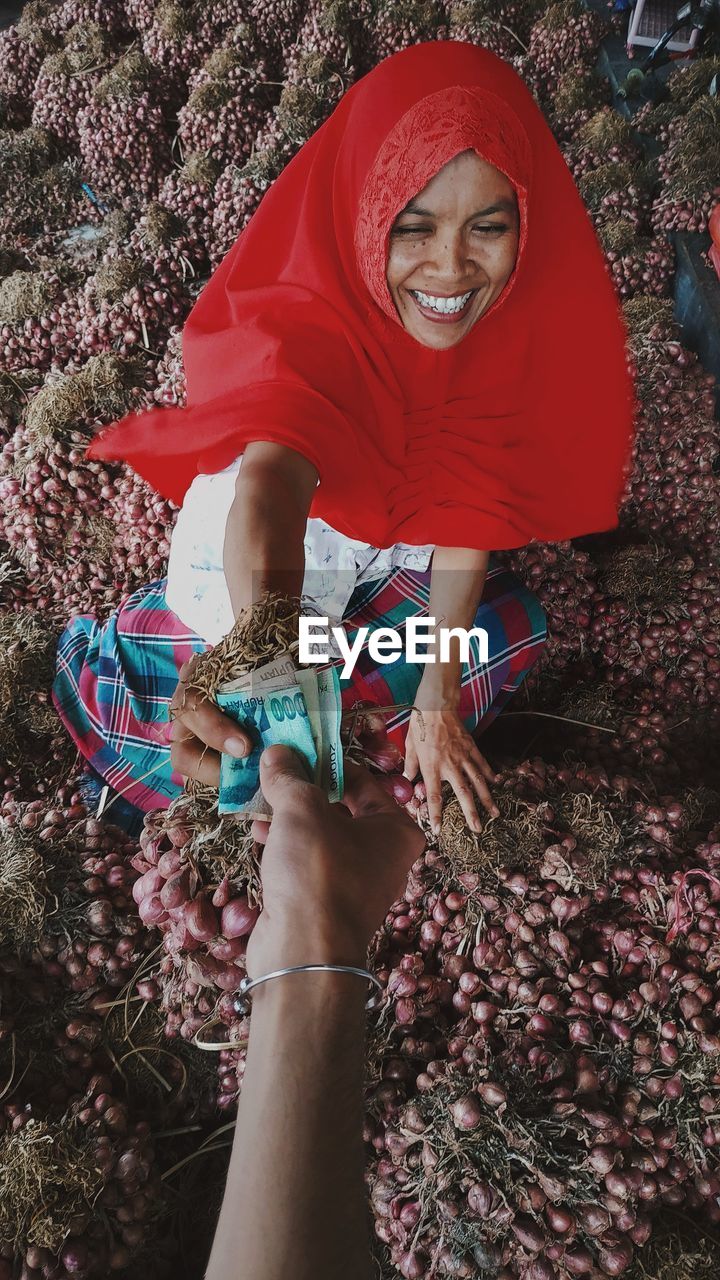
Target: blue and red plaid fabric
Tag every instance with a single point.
(114, 682)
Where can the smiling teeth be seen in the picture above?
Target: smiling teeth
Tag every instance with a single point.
(444, 305)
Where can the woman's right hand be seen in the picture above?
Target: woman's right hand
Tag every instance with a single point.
(199, 732)
(263, 551)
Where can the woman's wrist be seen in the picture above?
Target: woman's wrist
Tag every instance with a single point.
(439, 687)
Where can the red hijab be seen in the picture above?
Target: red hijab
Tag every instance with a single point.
(520, 431)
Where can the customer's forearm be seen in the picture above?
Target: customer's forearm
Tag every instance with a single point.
(264, 543)
(295, 1202)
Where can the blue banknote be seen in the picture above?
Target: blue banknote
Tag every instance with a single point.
(279, 716)
(280, 703)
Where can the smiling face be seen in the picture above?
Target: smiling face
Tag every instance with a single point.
(452, 250)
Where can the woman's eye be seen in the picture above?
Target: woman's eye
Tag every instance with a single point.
(490, 228)
(405, 231)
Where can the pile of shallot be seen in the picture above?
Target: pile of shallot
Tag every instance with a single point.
(543, 1080)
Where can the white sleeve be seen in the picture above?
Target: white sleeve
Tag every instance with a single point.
(196, 587)
(197, 590)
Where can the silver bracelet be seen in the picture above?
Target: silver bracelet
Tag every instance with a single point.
(247, 984)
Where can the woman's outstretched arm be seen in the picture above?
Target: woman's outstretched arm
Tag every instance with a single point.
(263, 550)
(264, 535)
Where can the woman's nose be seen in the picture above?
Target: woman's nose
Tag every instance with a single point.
(452, 260)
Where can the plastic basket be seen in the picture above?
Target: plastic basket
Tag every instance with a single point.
(650, 18)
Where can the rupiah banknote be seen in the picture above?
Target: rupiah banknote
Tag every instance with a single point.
(280, 702)
(272, 709)
(331, 761)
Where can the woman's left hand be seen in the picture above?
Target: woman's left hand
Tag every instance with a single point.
(443, 749)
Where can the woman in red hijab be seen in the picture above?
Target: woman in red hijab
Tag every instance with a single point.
(415, 343)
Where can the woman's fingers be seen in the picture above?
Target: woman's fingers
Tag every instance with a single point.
(411, 761)
(188, 667)
(192, 758)
(466, 798)
(218, 731)
(207, 722)
(481, 787)
(485, 768)
(433, 787)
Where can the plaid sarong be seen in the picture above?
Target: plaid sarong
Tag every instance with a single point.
(114, 682)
